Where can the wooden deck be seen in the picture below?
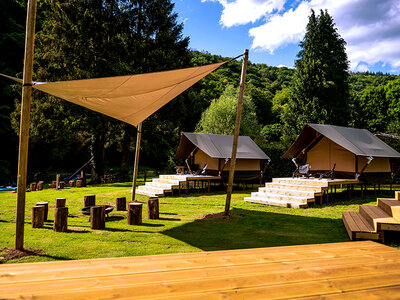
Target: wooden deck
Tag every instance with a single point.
(351, 270)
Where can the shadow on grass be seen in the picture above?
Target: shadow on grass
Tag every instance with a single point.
(253, 229)
(169, 219)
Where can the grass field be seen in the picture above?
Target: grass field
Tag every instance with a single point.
(187, 223)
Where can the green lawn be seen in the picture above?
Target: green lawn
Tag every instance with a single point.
(183, 225)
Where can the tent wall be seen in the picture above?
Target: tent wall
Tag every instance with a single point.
(200, 158)
(326, 153)
(379, 164)
(245, 165)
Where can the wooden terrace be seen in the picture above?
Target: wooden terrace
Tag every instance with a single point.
(350, 270)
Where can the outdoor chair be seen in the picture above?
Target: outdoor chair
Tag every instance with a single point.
(329, 174)
(302, 171)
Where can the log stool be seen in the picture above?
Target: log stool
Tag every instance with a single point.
(37, 216)
(153, 208)
(120, 203)
(46, 208)
(97, 217)
(33, 186)
(39, 186)
(62, 184)
(135, 213)
(71, 183)
(79, 183)
(89, 200)
(60, 202)
(60, 219)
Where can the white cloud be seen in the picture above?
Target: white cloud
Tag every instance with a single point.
(371, 28)
(240, 12)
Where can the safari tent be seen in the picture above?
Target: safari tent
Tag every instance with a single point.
(357, 153)
(215, 151)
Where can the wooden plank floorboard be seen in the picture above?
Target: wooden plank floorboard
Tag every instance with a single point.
(293, 271)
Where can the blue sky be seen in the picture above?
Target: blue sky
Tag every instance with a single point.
(272, 29)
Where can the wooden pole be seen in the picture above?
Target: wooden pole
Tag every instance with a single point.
(24, 124)
(236, 134)
(136, 167)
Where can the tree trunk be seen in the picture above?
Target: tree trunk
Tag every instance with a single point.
(153, 208)
(37, 216)
(46, 208)
(60, 202)
(135, 213)
(97, 151)
(126, 152)
(60, 219)
(89, 200)
(97, 217)
(120, 203)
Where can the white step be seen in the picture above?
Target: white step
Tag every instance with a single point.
(260, 200)
(166, 181)
(283, 198)
(149, 189)
(140, 192)
(287, 192)
(300, 181)
(160, 185)
(288, 186)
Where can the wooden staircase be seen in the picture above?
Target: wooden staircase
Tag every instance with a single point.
(371, 221)
(289, 192)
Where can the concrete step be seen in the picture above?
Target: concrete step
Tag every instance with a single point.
(300, 181)
(288, 192)
(262, 200)
(391, 207)
(284, 198)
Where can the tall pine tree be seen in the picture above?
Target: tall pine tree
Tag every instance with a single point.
(319, 92)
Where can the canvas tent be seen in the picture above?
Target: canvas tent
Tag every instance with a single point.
(356, 152)
(215, 150)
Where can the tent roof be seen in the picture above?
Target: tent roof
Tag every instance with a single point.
(361, 142)
(218, 146)
(130, 98)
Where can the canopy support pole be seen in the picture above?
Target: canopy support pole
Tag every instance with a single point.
(24, 124)
(136, 167)
(236, 134)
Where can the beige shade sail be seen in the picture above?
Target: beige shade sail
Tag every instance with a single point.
(131, 98)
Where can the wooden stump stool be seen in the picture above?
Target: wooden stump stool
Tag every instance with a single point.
(46, 208)
(62, 184)
(39, 186)
(71, 183)
(79, 183)
(397, 195)
(120, 203)
(135, 213)
(60, 202)
(33, 186)
(89, 200)
(37, 216)
(60, 219)
(97, 217)
(153, 208)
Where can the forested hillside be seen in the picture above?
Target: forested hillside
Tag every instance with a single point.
(64, 136)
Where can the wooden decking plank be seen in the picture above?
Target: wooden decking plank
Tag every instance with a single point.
(362, 223)
(53, 270)
(341, 266)
(390, 292)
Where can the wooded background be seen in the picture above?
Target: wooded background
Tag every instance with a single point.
(99, 38)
